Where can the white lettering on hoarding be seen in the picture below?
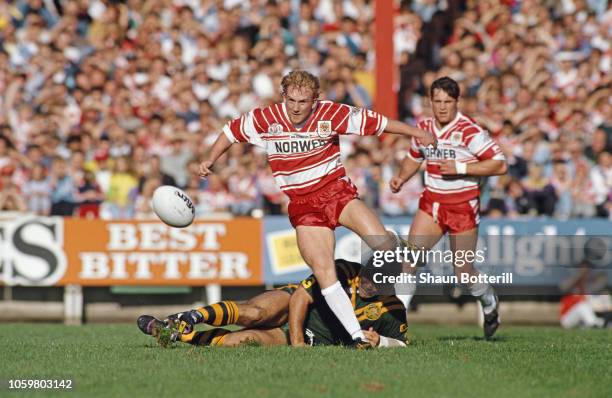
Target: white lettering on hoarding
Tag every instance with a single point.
(158, 236)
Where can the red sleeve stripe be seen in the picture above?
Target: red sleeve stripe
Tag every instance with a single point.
(344, 120)
(487, 146)
(256, 113)
(242, 132)
(235, 128)
(269, 119)
(363, 122)
(488, 154)
(383, 125)
(281, 111)
(265, 120)
(416, 158)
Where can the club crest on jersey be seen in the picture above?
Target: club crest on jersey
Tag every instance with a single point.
(324, 128)
(275, 129)
(372, 312)
(456, 138)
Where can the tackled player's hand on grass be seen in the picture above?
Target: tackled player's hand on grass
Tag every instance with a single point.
(185, 321)
(372, 336)
(361, 345)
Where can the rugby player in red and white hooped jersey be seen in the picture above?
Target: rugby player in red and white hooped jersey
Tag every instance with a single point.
(301, 136)
(450, 202)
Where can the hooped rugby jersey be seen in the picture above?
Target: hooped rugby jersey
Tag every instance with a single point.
(304, 160)
(462, 140)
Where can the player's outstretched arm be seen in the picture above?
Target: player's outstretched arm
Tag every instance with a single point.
(483, 168)
(298, 307)
(408, 169)
(221, 145)
(425, 137)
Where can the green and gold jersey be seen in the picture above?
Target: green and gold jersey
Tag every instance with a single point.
(384, 314)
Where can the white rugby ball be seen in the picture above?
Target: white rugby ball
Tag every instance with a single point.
(173, 206)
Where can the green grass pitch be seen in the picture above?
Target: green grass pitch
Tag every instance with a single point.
(442, 361)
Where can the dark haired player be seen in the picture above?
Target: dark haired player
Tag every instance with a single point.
(450, 202)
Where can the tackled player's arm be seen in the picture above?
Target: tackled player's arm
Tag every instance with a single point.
(298, 307)
(401, 128)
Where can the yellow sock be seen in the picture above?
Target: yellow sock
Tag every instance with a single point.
(220, 314)
(211, 337)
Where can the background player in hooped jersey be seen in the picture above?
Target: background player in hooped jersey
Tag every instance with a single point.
(450, 201)
(301, 138)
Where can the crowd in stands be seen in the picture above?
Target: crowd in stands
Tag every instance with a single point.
(102, 101)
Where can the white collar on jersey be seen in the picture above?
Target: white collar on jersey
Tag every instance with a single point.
(450, 125)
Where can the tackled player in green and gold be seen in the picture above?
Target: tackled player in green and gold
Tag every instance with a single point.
(310, 321)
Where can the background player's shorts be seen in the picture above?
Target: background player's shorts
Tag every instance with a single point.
(323, 207)
(453, 218)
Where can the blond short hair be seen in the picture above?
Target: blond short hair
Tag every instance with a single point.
(300, 79)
